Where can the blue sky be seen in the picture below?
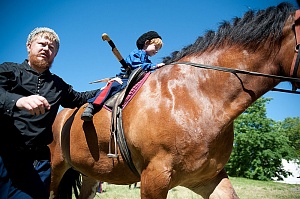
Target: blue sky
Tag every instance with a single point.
(84, 57)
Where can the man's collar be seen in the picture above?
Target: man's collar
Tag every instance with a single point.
(29, 68)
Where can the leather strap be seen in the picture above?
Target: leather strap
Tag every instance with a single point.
(296, 60)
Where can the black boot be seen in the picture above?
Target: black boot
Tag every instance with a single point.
(87, 114)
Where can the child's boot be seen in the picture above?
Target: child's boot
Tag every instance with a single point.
(87, 114)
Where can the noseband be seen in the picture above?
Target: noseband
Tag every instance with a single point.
(296, 60)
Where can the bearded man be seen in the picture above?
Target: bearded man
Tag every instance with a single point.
(30, 96)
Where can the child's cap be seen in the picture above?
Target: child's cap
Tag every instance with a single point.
(146, 36)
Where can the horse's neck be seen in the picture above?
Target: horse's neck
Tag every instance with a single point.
(235, 92)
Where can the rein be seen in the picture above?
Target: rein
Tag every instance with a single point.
(235, 71)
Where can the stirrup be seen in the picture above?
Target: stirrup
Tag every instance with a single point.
(110, 154)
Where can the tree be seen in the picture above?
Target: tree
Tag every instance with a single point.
(258, 147)
(291, 128)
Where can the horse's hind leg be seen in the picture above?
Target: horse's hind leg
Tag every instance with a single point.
(58, 169)
(88, 188)
(57, 174)
(219, 188)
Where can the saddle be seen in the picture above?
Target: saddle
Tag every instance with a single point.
(116, 104)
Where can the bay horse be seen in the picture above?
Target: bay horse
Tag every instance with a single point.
(179, 125)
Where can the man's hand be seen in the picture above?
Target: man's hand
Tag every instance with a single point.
(35, 104)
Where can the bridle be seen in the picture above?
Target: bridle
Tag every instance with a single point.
(296, 60)
(294, 67)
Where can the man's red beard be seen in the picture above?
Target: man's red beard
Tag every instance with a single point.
(37, 63)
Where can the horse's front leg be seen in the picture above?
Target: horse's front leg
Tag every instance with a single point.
(218, 188)
(155, 180)
(224, 188)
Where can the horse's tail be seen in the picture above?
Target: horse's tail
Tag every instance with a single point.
(69, 185)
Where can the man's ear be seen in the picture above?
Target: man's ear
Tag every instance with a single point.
(28, 46)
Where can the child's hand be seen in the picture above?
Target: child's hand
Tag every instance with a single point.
(119, 80)
(160, 65)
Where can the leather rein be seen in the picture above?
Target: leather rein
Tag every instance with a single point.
(293, 72)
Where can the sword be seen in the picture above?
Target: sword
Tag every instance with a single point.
(118, 55)
(115, 51)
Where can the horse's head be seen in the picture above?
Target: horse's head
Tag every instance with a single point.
(289, 55)
(295, 72)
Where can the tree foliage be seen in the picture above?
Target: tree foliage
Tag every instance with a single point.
(291, 128)
(259, 146)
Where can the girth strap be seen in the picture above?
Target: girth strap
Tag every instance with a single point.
(117, 133)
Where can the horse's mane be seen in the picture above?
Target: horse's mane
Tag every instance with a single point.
(250, 32)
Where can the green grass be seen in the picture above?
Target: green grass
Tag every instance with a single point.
(245, 188)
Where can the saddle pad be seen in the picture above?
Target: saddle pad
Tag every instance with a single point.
(132, 92)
